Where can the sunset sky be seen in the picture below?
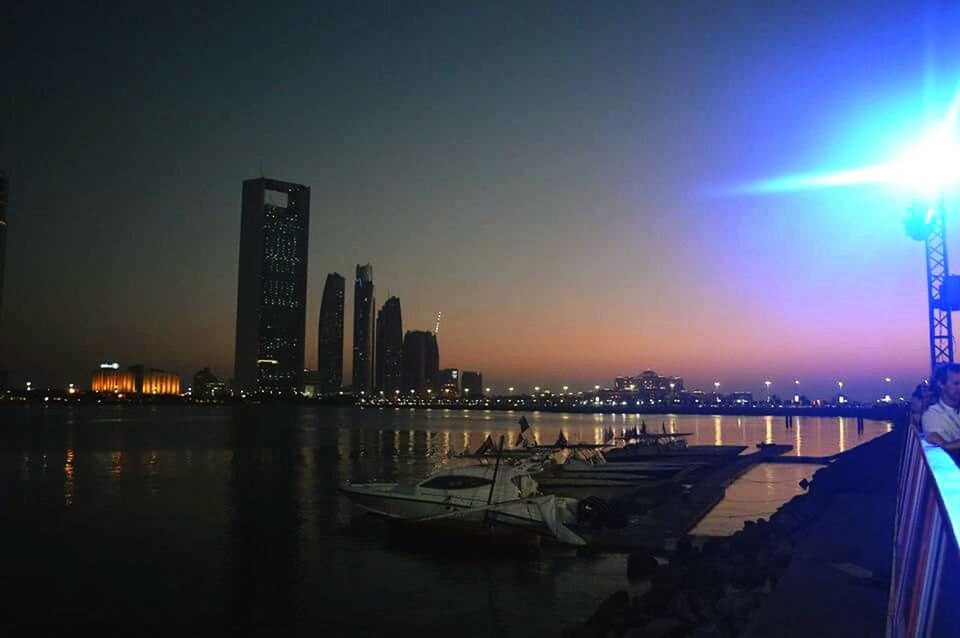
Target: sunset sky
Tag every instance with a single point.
(564, 184)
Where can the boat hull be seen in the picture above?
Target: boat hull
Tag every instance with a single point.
(544, 515)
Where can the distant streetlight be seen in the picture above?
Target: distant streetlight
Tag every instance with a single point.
(596, 387)
(488, 390)
(565, 388)
(768, 384)
(536, 388)
(510, 388)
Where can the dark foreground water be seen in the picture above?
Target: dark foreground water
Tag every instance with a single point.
(166, 520)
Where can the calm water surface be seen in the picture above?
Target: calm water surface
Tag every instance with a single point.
(163, 519)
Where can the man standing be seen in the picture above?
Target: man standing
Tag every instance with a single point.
(941, 421)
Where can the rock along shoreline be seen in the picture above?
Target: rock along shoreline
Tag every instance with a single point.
(718, 589)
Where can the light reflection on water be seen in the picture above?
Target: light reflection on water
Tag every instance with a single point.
(230, 517)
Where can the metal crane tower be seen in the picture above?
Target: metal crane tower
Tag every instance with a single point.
(928, 224)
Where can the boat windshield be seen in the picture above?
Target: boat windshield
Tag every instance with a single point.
(454, 482)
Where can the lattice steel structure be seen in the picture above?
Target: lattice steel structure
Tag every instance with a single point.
(941, 321)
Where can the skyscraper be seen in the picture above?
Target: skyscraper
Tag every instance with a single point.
(272, 287)
(330, 343)
(3, 232)
(421, 361)
(389, 345)
(363, 335)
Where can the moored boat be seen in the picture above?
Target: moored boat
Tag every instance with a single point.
(496, 496)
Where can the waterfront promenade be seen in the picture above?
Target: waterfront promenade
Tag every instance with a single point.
(819, 567)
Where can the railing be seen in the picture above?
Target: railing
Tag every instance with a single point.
(925, 576)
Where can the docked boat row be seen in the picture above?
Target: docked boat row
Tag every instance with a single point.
(541, 491)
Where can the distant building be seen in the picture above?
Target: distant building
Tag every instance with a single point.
(134, 380)
(110, 378)
(363, 330)
(272, 287)
(649, 386)
(471, 383)
(3, 232)
(421, 362)
(389, 338)
(313, 384)
(330, 342)
(206, 385)
(160, 382)
(448, 382)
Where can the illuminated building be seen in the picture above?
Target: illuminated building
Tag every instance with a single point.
(330, 340)
(134, 380)
(649, 386)
(448, 382)
(420, 362)
(113, 380)
(160, 382)
(272, 287)
(389, 339)
(363, 336)
(313, 384)
(206, 385)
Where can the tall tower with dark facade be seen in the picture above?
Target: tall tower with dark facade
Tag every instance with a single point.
(3, 232)
(330, 343)
(389, 345)
(272, 287)
(421, 362)
(363, 330)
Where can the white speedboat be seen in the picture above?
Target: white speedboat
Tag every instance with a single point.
(492, 495)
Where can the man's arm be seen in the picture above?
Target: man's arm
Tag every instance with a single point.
(938, 440)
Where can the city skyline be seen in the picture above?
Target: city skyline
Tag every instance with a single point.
(558, 187)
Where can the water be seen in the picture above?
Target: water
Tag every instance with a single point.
(163, 519)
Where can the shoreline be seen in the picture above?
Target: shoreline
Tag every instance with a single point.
(876, 412)
(771, 574)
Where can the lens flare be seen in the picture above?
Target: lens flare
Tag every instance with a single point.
(926, 169)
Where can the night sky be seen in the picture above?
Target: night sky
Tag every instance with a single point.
(561, 180)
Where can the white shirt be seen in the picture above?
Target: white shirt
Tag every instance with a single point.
(943, 420)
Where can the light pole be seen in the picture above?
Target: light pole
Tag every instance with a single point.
(768, 383)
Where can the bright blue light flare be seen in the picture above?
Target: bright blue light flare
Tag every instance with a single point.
(926, 169)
